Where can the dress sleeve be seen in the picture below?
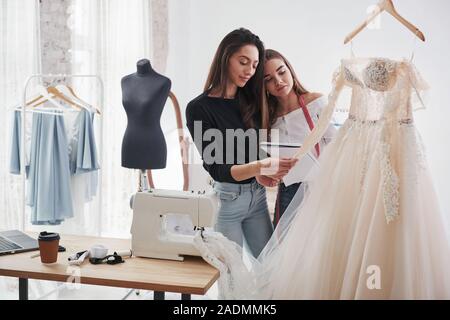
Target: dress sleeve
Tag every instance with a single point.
(325, 116)
(419, 88)
(331, 129)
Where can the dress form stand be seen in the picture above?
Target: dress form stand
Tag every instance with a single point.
(144, 183)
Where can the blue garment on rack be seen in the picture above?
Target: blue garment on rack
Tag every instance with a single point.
(55, 156)
(14, 165)
(83, 155)
(49, 192)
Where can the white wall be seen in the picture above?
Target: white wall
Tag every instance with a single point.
(311, 34)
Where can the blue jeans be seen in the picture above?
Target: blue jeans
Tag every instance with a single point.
(244, 213)
(284, 198)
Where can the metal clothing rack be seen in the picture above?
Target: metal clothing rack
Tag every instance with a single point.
(22, 132)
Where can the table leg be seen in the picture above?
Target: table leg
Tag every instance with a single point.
(23, 289)
(185, 296)
(158, 295)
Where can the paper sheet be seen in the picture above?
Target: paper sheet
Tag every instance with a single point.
(299, 173)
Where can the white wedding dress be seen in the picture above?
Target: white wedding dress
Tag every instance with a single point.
(370, 226)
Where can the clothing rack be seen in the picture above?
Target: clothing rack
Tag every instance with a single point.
(22, 138)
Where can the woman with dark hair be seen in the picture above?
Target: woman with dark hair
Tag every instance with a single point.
(293, 111)
(226, 122)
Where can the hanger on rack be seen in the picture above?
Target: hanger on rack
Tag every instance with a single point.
(68, 92)
(34, 100)
(49, 94)
(388, 6)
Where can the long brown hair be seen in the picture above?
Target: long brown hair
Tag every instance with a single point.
(251, 96)
(272, 102)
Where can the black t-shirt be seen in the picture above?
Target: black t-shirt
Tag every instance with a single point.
(220, 148)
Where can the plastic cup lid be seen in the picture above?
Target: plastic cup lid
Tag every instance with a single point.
(48, 236)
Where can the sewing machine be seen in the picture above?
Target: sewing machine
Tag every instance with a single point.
(165, 222)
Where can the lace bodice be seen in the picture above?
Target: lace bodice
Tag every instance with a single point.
(381, 88)
(379, 74)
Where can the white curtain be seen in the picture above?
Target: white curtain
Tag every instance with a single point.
(108, 38)
(18, 60)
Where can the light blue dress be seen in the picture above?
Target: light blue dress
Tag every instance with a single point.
(53, 159)
(49, 192)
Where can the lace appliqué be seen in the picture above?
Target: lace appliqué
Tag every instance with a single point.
(414, 155)
(364, 155)
(363, 172)
(380, 75)
(348, 75)
(390, 181)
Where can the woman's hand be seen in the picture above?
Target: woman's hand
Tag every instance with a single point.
(267, 181)
(276, 168)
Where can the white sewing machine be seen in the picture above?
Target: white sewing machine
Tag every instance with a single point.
(165, 222)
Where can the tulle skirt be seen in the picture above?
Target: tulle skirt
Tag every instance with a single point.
(338, 244)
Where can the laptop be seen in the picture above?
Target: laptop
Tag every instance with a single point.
(15, 241)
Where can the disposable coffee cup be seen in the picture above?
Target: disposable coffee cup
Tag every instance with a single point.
(48, 246)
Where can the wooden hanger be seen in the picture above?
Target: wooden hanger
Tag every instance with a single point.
(73, 92)
(70, 93)
(44, 96)
(388, 6)
(34, 100)
(58, 94)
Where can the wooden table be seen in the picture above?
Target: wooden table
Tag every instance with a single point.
(191, 276)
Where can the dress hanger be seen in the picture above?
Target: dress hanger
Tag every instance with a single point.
(55, 93)
(68, 92)
(49, 94)
(34, 100)
(388, 6)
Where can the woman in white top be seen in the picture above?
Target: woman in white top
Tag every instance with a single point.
(293, 111)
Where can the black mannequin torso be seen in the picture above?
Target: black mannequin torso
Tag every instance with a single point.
(144, 95)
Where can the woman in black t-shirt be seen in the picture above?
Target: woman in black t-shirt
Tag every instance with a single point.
(226, 123)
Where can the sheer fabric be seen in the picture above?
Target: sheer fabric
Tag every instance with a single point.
(369, 226)
(100, 32)
(19, 58)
